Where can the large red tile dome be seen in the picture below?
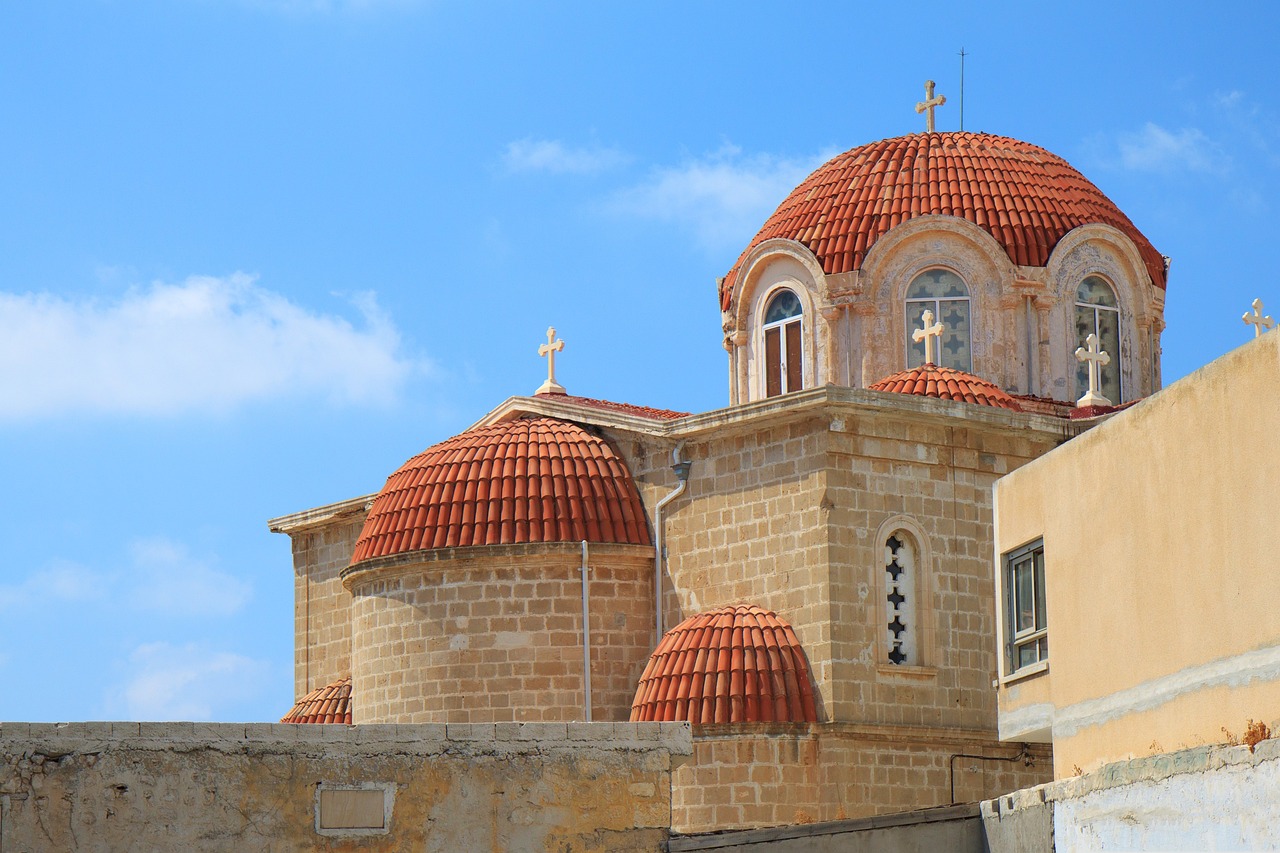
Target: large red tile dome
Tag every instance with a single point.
(735, 664)
(1019, 193)
(944, 383)
(527, 480)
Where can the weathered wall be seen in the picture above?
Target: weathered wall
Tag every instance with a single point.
(781, 775)
(494, 634)
(1204, 798)
(1161, 628)
(215, 787)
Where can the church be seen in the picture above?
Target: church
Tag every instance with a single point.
(804, 575)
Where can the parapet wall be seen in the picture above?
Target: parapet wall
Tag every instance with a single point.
(264, 786)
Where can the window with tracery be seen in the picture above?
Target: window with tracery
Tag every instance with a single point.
(902, 629)
(1098, 313)
(945, 294)
(783, 344)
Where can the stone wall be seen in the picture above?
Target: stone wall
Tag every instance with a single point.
(494, 634)
(194, 786)
(779, 775)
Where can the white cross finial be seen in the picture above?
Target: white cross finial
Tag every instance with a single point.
(1092, 353)
(930, 331)
(1257, 320)
(929, 103)
(549, 350)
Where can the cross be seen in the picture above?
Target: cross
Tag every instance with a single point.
(549, 350)
(930, 331)
(929, 103)
(1260, 323)
(1096, 358)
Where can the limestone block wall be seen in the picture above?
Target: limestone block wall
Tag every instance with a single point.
(780, 775)
(931, 478)
(321, 606)
(194, 786)
(494, 634)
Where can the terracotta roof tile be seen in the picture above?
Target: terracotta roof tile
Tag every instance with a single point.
(1024, 196)
(735, 664)
(930, 380)
(328, 704)
(625, 408)
(527, 480)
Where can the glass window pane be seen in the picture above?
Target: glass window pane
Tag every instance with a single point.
(915, 320)
(795, 361)
(1037, 573)
(1024, 592)
(1109, 339)
(954, 316)
(1095, 291)
(1085, 326)
(772, 362)
(784, 304)
(937, 284)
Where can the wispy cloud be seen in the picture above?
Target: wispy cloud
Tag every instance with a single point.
(170, 581)
(549, 155)
(205, 345)
(165, 681)
(59, 583)
(1155, 149)
(722, 197)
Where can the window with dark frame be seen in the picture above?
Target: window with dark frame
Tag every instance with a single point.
(783, 350)
(1027, 630)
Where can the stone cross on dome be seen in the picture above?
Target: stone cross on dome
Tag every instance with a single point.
(928, 334)
(548, 351)
(1092, 353)
(929, 103)
(1259, 322)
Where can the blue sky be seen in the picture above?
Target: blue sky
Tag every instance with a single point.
(256, 253)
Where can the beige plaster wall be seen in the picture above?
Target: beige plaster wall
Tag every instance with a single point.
(780, 775)
(1160, 569)
(214, 787)
(494, 634)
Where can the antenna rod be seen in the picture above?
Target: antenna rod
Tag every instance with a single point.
(962, 56)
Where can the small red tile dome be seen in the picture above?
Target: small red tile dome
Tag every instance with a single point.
(528, 480)
(735, 664)
(328, 704)
(930, 380)
(1019, 193)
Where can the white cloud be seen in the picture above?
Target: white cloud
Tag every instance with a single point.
(60, 582)
(172, 582)
(187, 682)
(723, 197)
(549, 155)
(1155, 149)
(205, 345)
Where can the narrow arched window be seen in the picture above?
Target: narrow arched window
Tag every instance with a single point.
(783, 348)
(902, 628)
(943, 293)
(1098, 313)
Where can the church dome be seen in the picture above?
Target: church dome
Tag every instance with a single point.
(1025, 197)
(328, 704)
(930, 380)
(735, 664)
(527, 480)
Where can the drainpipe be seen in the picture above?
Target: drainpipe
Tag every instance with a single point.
(681, 470)
(586, 637)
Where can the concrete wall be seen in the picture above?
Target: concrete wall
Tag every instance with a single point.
(215, 787)
(1158, 570)
(1204, 798)
(494, 634)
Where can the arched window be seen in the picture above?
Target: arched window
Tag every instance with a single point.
(942, 292)
(783, 348)
(902, 629)
(1098, 313)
